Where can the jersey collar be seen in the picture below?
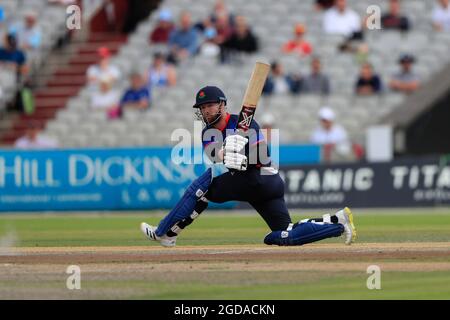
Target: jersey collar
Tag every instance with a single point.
(227, 119)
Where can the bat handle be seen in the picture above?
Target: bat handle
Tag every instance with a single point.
(245, 118)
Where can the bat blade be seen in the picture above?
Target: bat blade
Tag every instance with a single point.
(252, 95)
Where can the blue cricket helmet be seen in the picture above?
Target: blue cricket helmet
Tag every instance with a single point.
(209, 94)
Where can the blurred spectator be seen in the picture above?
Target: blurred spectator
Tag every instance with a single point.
(11, 57)
(223, 27)
(362, 52)
(66, 37)
(331, 136)
(279, 83)
(111, 10)
(106, 98)
(62, 2)
(368, 83)
(164, 27)
(242, 40)
(219, 24)
(209, 47)
(34, 140)
(135, 11)
(441, 16)
(28, 33)
(316, 82)
(267, 122)
(359, 49)
(184, 41)
(393, 20)
(406, 80)
(137, 96)
(1, 97)
(220, 10)
(2, 15)
(342, 20)
(324, 4)
(161, 73)
(298, 44)
(103, 69)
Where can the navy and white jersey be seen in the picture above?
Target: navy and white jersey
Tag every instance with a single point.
(256, 141)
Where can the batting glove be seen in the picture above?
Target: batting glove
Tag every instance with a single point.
(236, 161)
(234, 143)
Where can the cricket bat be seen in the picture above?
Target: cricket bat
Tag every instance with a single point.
(252, 93)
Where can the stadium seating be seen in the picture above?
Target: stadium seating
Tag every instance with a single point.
(51, 21)
(296, 115)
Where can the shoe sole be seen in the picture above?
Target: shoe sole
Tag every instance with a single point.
(350, 218)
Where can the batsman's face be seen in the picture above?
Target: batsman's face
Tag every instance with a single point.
(210, 111)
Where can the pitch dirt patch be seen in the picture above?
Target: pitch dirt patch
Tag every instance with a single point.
(156, 254)
(124, 272)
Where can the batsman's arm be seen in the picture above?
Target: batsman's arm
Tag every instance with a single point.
(214, 152)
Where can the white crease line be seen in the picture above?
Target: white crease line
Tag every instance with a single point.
(244, 251)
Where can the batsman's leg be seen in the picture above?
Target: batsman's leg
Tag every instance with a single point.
(311, 230)
(186, 210)
(303, 233)
(170, 238)
(274, 212)
(200, 206)
(223, 188)
(344, 217)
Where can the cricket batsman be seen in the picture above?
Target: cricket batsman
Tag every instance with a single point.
(255, 182)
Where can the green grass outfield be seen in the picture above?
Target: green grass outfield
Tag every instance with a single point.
(212, 228)
(421, 277)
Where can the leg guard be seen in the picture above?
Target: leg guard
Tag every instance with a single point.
(303, 233)
(200, 206)
(186, 204)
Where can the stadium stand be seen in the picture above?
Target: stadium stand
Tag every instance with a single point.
(50, 21)
(56, 74)
(76, 125)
